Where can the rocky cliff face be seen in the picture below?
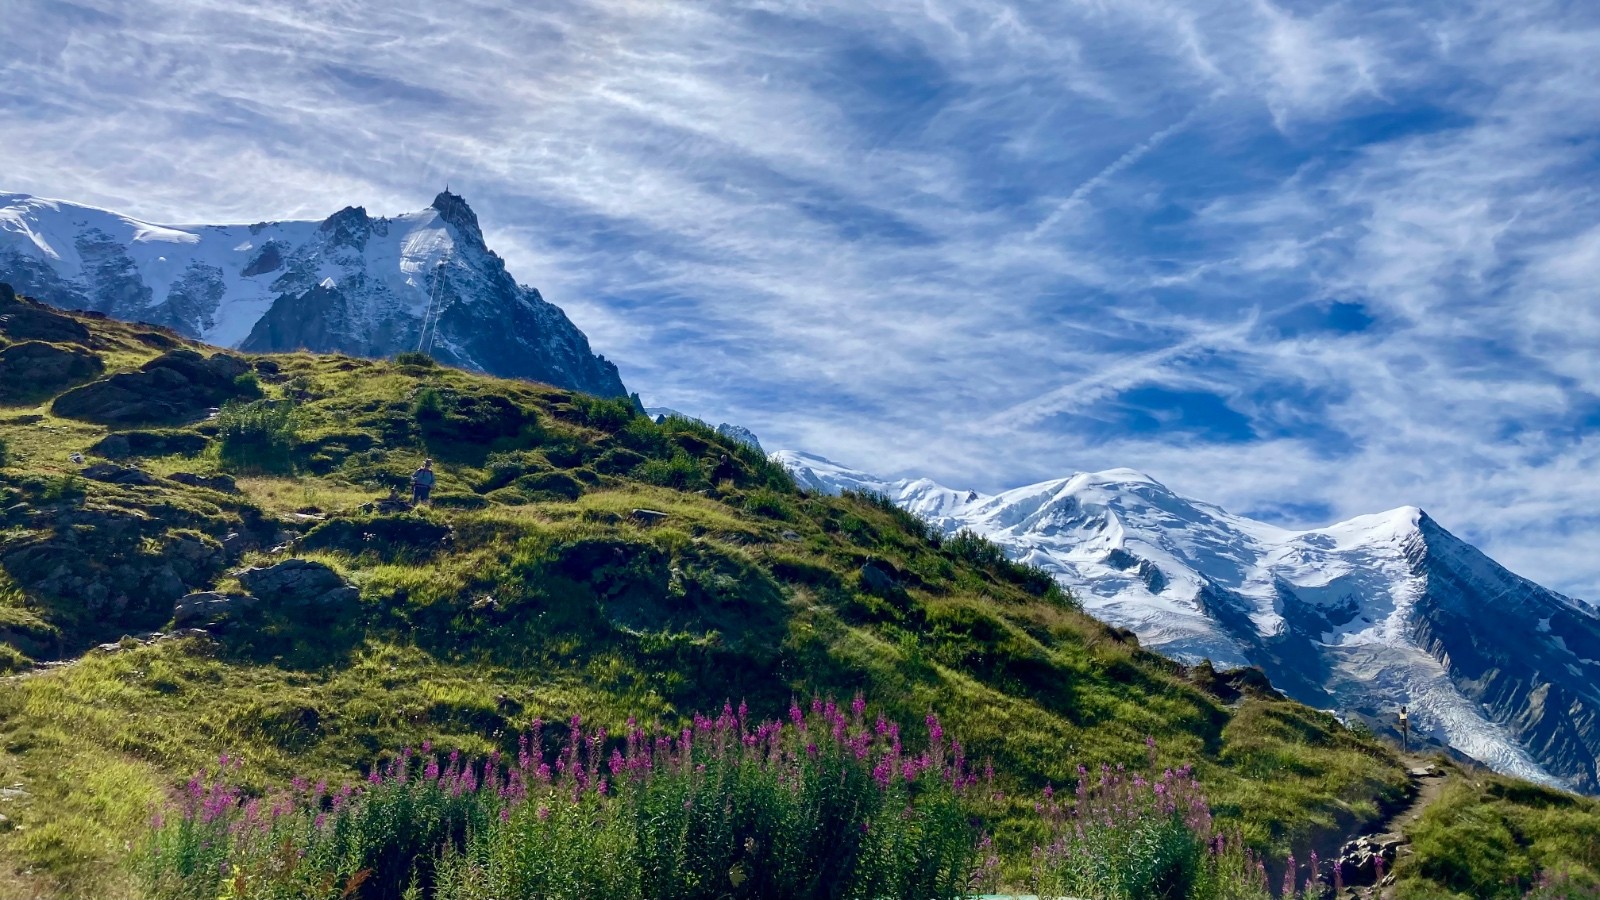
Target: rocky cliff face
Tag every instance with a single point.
(352, 283)
(1363, 616)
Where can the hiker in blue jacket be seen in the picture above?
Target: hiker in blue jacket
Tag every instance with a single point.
(422, 483)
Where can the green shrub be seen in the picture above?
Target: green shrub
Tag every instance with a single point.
(769, 503)
(606, 414)
(1495, 838)
(64, 489)
(909, 522)
(501, 469)
(975, 549)
(416, 359)
(988, 556)
(258, 436)
(467, 425)
(12, 660)
(618, 461)
(679, 471)
(4, 457)
(428, 405)
(643, 435)
(247, 385)
(549, 486)
(457, 500)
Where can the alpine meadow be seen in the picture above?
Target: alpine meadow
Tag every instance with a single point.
(243, 666)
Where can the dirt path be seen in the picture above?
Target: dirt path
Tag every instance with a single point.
(1428, 782)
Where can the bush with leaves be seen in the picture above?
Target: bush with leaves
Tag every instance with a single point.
(258, 436)
(769, 503)
(680, 471)
(416, 359)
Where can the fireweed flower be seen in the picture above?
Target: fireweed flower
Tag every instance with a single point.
(598, 774)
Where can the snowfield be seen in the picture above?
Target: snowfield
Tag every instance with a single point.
(1359, 617)
(350, 283)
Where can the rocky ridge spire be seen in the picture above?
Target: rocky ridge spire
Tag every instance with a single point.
(453, 209)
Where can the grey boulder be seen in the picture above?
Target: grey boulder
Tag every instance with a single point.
(298, 582)
(209, 608)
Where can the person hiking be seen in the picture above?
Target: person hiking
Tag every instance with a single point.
(422, 483)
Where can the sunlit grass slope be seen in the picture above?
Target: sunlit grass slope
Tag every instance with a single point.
(532, 587)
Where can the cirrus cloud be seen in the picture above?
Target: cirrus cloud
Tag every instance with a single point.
(1305, 260)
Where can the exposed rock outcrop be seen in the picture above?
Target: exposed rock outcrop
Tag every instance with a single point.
(178, 386)
(21, 320)
(209, 608)
(111, 473)
(34, 370)
(299, 583)
(112, 570)
(221, 483)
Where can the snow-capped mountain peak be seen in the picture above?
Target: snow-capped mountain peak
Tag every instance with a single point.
(350, 283)
(1363, 616)
(738, 432)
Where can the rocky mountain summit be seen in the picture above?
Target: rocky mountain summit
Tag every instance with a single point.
(1362, 617)
(352, 283)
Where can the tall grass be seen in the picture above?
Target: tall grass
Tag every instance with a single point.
(257, 437)
(828, 804)
(1145, 836)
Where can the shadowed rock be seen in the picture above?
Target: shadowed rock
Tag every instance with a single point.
(879, 578)
(123, 444)
(111, 473)
(220, 483)
(24, 320)
(209, 608)
(33, 370)
(298, 582)
(177, 387)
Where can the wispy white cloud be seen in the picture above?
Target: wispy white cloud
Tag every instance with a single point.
(984, 240)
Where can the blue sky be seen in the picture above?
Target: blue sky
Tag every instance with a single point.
(1305, 260)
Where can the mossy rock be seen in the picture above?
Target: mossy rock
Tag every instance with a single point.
(618, 461)
(557, 485)
(26, 320)
(387, 536)
(458, 500)
(176, 387)
(506, 496)
(34, 370)
(163, 442)
(327, 452)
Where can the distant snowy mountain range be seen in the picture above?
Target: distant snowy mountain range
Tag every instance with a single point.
(350, 283)
(1359, 617)
(738, 432)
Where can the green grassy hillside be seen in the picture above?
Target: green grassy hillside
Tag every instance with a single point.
(534, 586)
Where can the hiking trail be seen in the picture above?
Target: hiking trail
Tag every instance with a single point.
(1389, 836)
